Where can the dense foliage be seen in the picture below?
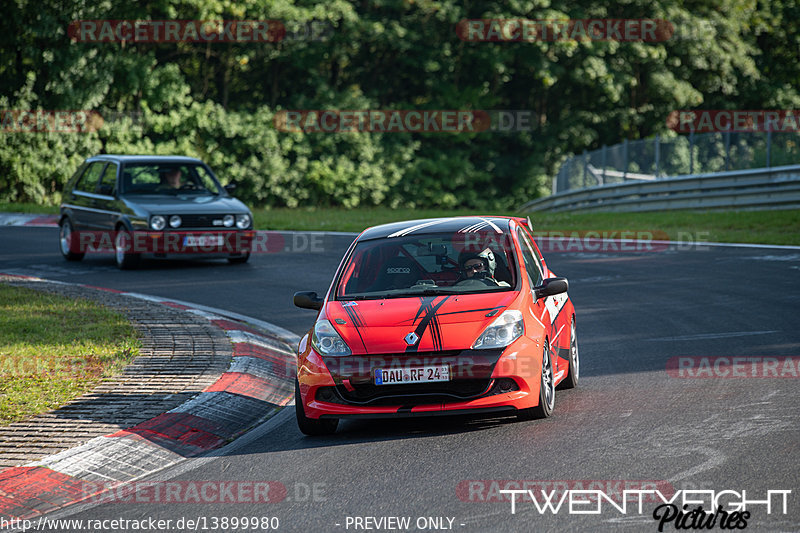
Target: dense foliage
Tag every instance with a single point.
(217, 100)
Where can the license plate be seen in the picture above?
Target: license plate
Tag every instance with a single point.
(417, 374)
(203, 240)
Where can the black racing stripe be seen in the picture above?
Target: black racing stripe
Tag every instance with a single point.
(436, 333)
(356, 323)
(420, 329)
(358, 319)
(429, 309)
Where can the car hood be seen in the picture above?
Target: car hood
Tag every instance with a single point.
(187, 203)
(438, 323)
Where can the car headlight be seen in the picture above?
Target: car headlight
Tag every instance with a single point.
(227, 221)
(326, 341)
(242, 221)
(175, 221)
(157, 222)
(507, 328)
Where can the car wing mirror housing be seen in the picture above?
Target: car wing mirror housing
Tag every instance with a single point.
(308, 300)
(230, 188)
(550, 287)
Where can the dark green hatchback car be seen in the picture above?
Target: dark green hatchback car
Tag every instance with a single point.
(163, 206)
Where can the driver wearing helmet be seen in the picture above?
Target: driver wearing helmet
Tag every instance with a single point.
(479, 268)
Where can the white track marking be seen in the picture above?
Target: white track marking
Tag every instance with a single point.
(703, 336)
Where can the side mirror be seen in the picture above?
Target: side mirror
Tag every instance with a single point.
(308, 300)
(550, 287)
(230, 188)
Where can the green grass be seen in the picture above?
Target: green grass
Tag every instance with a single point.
(6, 207)
(53, 349)
(766, 227)
(339, 219)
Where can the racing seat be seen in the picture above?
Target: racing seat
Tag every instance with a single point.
(501, 271)
(398, 273)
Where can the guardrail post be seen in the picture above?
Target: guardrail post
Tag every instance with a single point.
(769, 146)
(727, 150)
(585, 166)
(603, 164)
(625, 157)
(657, 152)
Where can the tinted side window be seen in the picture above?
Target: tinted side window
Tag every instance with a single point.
(88, 181)
(109, 179)
(532, 264)
(76, 176)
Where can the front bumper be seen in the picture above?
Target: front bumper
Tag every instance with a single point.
(481, 381)
(209, 242)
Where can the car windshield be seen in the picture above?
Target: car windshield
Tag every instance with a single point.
(429, 264)
(168, 178)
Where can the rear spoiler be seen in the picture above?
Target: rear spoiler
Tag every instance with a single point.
(525, 222)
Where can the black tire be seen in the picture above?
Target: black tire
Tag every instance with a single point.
(66, 242)
(547, 390)
(239, 259)
(311, 426)
(573, 373)
(125, 259)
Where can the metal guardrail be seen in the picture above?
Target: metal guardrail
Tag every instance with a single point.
(763, 188)
(661, 157)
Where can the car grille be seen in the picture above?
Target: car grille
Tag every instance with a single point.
(408, 394)
(202, 221)
(470, 371)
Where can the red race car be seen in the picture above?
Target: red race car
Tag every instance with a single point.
(437, 317)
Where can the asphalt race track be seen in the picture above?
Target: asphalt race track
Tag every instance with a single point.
(629, 423)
